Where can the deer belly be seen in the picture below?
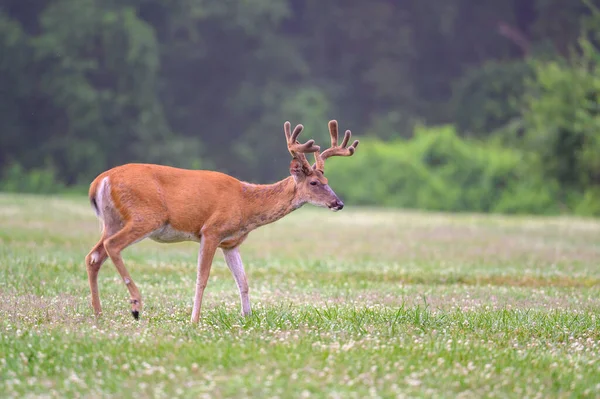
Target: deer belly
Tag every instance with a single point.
(167, 234)
(233, 241)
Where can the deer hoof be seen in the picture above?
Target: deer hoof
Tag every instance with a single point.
(136, 307)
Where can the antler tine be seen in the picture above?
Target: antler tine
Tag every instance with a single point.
(297, 131)
(335, 149)
(347, 136)
(296, 149)
(286, 129)
(333, 132)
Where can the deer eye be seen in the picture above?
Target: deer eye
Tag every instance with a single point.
(313, 183)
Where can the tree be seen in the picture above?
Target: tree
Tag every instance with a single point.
(563, 119)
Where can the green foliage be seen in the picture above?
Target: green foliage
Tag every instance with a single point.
(16, 89)
(89, 84)
(489, 96)
(93, 83)
(309, 106)
(562, 121)
(438, 170)
(101, 72)
(559, 23)
(42, 181)
(589, 203)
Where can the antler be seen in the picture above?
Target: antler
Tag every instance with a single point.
(296, 149)
(335, 150)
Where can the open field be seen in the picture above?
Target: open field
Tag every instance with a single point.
(361, 303)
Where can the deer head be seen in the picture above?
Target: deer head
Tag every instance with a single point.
(311, 184)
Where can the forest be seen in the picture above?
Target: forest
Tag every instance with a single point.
(460, 105)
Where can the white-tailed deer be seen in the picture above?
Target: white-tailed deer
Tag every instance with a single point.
(167, 204)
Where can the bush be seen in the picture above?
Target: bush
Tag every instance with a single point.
(41, 181)
(589, 203)
(437, 170)
(562, 120)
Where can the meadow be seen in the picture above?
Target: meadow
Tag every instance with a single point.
(359, 303)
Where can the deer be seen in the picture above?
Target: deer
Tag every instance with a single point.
(166, 204)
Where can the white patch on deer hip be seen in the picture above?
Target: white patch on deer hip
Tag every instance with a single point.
(103, 199)
(108, 213)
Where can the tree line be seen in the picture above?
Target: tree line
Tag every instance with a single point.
(89, 84)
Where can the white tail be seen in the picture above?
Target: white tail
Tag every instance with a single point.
(166, 204)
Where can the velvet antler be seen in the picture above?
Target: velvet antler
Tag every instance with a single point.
(335, 149)
(296, 149)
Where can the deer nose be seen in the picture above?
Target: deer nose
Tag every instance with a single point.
(337, 205)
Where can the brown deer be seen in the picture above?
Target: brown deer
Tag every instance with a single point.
(166, 204)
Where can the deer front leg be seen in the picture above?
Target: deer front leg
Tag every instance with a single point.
(208, 247)
(234, 262)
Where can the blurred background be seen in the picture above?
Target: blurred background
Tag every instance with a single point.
(460, 105)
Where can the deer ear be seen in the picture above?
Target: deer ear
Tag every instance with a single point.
(298, 171)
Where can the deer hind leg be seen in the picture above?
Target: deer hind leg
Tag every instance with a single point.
(93, 263)
(96, 258)
(131, 233)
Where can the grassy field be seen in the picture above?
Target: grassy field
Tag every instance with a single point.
(361, 303)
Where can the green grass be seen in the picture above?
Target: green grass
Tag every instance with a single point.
(360, 303)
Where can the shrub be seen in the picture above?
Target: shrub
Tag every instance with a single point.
(562, 120)
(438, 170)
(41, 181)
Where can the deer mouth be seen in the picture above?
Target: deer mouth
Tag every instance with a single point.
(336, 206)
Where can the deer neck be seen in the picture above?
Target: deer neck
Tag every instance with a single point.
(267, 203)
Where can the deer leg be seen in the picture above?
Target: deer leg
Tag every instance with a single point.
(208, 247)
(234, 262)
(113, 245)
(93, 262)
